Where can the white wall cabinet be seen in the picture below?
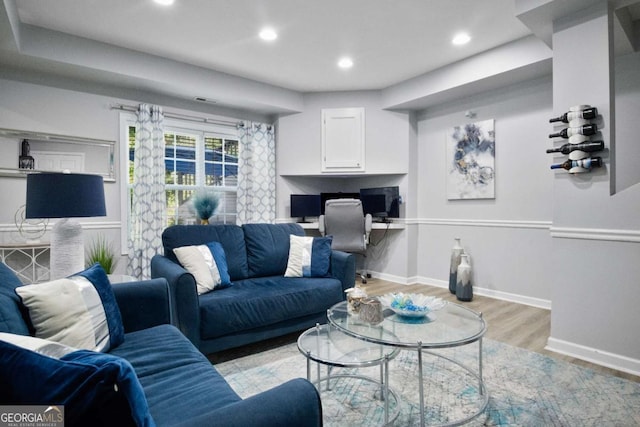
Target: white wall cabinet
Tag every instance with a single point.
(343, 142)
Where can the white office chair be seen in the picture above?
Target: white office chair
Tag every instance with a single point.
(344, 219)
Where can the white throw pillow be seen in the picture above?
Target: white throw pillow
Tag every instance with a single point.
(79, 311)
(198, 260)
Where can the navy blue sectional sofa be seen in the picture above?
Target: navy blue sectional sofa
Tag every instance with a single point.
(261, 303)
(180, 385)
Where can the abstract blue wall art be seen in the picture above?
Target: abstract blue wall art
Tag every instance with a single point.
(471, 161)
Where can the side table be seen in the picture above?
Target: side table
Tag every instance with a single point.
(327, 345)
(120, 278)
(451, 326)
(30, 261)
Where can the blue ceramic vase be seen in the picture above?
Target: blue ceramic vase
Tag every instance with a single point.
(464, 287)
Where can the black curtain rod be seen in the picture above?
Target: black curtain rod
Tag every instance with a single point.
(179, 116)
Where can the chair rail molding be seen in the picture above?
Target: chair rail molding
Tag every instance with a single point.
(87, 225)
(612, 235)
(500, 223)
(605, 234)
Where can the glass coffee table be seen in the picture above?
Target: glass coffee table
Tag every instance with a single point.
(327, 345)
(451, 326)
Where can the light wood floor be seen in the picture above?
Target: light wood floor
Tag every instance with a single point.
(511, 323)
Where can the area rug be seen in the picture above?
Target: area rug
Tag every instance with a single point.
(525, 388)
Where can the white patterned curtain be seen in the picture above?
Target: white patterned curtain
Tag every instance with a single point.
(256, 174)
(148, 218)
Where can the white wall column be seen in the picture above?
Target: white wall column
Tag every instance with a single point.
(595, 291)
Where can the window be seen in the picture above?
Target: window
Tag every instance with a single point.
(194, 160)
(202, 156)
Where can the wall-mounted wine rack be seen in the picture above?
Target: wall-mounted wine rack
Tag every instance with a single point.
(579, 146)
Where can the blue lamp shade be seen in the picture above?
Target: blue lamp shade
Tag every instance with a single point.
(64, 195)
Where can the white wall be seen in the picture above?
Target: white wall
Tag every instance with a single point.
(386, 134)
(506, 237)
(546, 237)
(40, 108)
(595, 248)
(32, 107)
(627, 84)
(518, 218)
(387, 138)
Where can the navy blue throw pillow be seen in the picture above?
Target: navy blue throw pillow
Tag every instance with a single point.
(94, 388)
(309, 256)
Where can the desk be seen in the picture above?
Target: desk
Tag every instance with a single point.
(374, 226)
(30, 261)
(121, 278)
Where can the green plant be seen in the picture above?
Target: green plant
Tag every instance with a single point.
(101, 251)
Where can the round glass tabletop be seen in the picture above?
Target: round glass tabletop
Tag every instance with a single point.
(451, 326)
(330, 346)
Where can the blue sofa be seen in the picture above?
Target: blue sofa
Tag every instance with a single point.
(261, 303)
(180, 385)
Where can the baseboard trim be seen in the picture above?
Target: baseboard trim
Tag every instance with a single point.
(491, 293)
(506, 296)
(432, 282)
(391, 278)
(593, 355)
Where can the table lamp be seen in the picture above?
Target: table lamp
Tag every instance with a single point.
(65, 196)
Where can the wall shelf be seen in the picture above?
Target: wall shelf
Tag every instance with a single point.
(55, 153)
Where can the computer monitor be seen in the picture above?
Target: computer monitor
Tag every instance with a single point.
(304, 205)
(329, 196)
(374, 204)
(372, 201)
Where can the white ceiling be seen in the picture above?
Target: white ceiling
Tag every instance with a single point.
(389, 41)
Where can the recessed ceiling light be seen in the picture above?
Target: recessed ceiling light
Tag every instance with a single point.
(345, 62)
(164, 2)
(268, 34)
(460, 39)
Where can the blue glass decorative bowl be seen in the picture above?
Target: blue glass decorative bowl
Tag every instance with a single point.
(412, 305)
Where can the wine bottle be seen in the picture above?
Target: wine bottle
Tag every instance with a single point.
(588, 129)
(587, 147)
(588, 163)
(587, 113)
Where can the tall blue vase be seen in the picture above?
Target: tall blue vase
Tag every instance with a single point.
(455, 262)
